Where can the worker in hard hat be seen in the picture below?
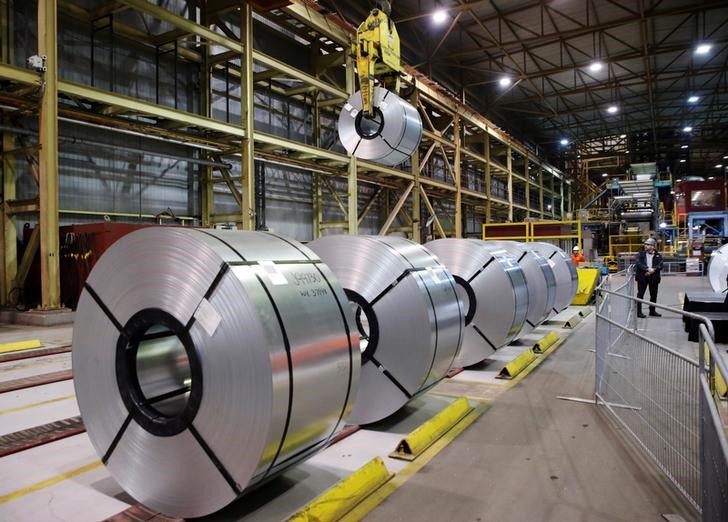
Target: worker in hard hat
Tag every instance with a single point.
(648, 264)
(576, 256)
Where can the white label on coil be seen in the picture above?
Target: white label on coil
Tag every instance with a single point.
(382, 104)
(207, 316)
(353, 112)
(275, 275)
(348, 107)
(552, 263)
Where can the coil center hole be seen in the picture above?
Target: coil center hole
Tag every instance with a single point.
(369, 127)
(362, 323)
(163, 370)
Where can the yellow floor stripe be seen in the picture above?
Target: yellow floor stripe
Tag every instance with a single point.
(20, 345)
(376, 498)
(49, 482)
(41, 403)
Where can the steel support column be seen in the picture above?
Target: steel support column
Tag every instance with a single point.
(207, 197)
(486, 145)
(416, 199)
(352, 186)
(540, 190)
(528, 187)
(48, 158)
(247, 112)
(458, 176)
(509, 166)
(8, 239)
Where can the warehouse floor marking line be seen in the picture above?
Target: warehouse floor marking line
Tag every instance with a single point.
(378, 496)
(35, 404)
(49, 482)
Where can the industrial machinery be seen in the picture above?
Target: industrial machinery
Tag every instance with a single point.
(375, 123)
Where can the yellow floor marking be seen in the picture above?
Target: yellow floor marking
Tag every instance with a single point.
(41, 403)
(49, 482)
(376, 498)
(20, 345)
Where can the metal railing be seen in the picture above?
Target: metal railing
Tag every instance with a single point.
(663, 399)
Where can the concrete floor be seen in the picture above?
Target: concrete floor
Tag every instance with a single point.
(534, 457)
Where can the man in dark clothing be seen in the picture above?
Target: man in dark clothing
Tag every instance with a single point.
(647, 275)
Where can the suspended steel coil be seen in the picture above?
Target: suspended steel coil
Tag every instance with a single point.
(389, 138)
(408, 314)
(492, 288)
(540, 281)
(207, 361)
(567, 280)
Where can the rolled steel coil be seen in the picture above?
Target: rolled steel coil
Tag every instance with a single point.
(389, 137)
(567, 280)
(207, 361)
(540, 281)
(492, 288)
(718, 269)
(408, 313)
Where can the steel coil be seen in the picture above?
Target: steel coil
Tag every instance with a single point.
(408, 313)
(207, 361)
(492, 288)
(567, 280)
(718, 269)
(390, 137)
(540, 281)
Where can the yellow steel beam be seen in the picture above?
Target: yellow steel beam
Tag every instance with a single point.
(328, 26)
(48, 158)
(431, 209)
(457, 167)
(397, 207)
(8, 240)
(178, 21)
(247, 113)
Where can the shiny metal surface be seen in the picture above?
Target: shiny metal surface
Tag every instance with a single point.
(415, 318)
(253, 328)
(540, 281)
(567, 280)
(718, 269)
(390, 138)
(492, 288)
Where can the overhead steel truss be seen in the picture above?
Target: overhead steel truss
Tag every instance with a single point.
(463, 155)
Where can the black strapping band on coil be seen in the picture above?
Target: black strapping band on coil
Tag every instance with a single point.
(215, 461)
(480, 333)
(211, 289)
(278, 261)
(480, 270)
(530, 323)
(104, 308)
(391, 377)
(316, 263)
(553, 253)
(116, 440)
(523, 255)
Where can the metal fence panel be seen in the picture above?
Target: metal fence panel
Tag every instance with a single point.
(662, 399)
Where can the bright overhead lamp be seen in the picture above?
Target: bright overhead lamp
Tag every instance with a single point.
(682, 161)
(596, 66)
(703, 49)
(663, 225)
(693, 99)
(719, 166)
(505, 81)
(678, 180)
(683, 146)
(672, 192)
(612, 109)
(605, 175)
(710, 178)
(725, 157)
(622, 136)
(564, 142)
(688, 129)
(439, 16)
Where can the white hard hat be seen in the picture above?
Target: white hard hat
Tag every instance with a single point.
(650, 241)
(575, 249)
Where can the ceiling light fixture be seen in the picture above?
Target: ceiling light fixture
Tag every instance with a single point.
(439, 16)
(622, 136)
(596, 66)
(693, 99)
(564, 142)
(612, 109)
(504, 82)
(682, 161)
(725, 157)
(688, 129)
(683, 146)
(703, 49)
(605, 175)
(719, 166)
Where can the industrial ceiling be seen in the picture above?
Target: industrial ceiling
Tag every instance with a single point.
(640, 80)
